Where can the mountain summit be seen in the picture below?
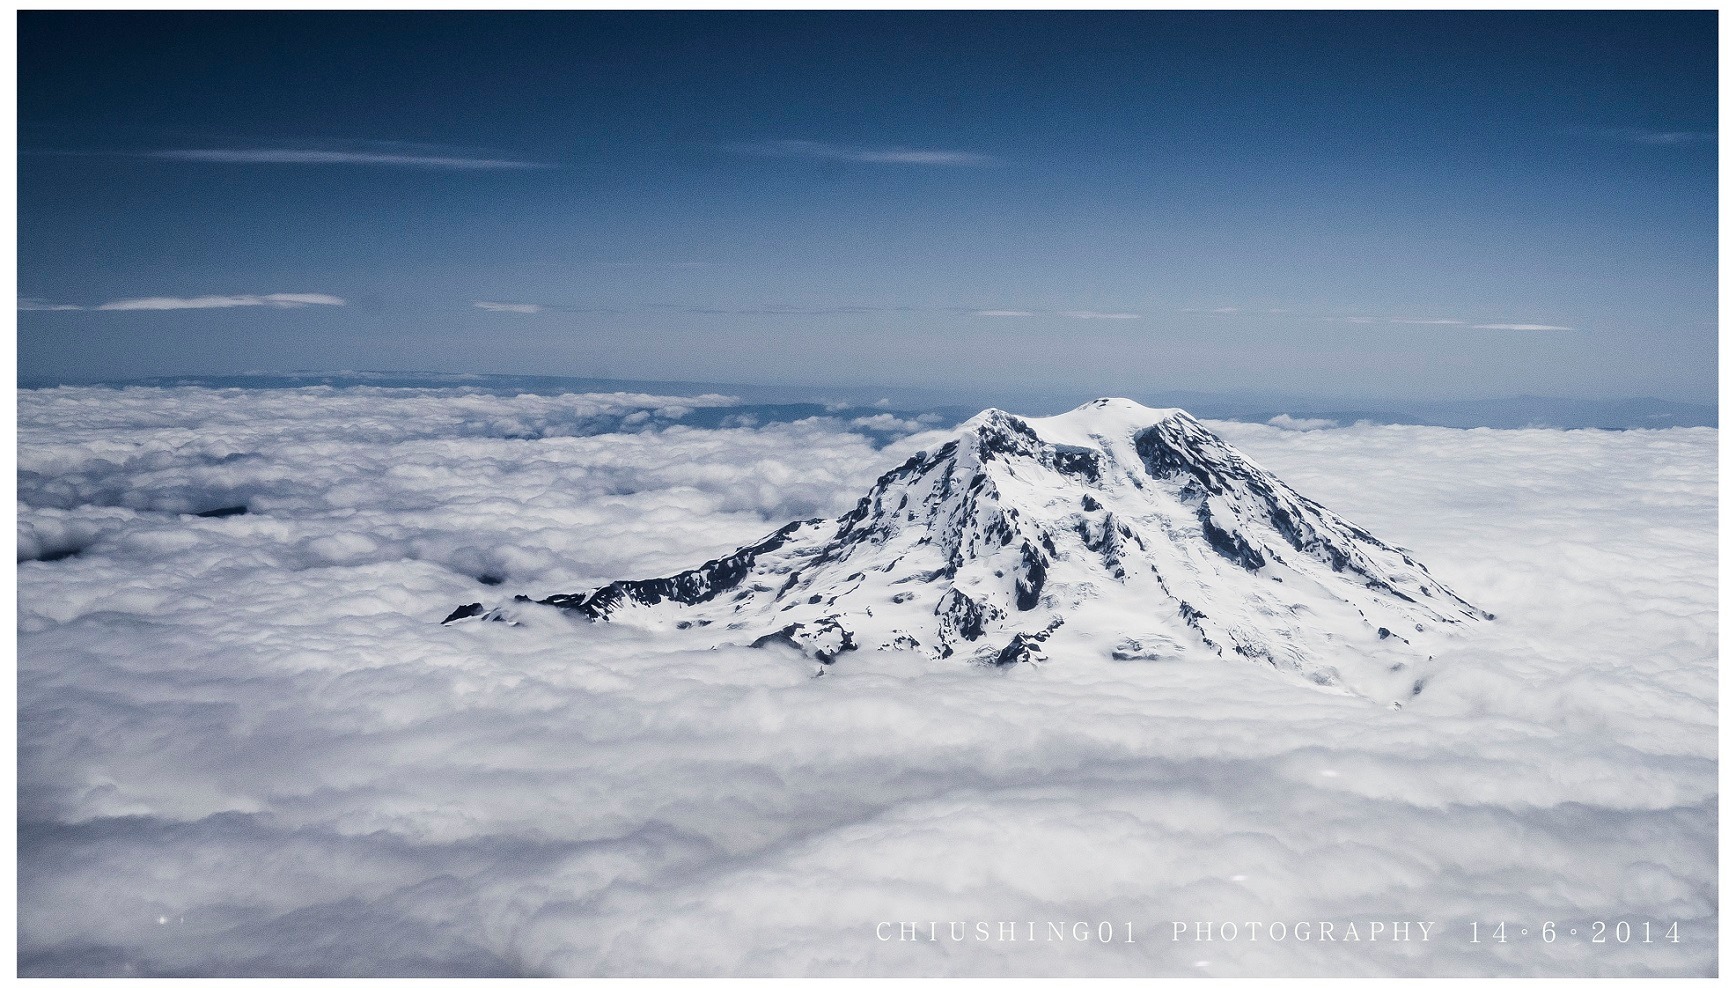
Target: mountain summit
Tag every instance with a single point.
(1113, 531)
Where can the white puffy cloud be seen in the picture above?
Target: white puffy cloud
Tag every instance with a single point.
(888, 422)
(248, 747)
(1285, 420)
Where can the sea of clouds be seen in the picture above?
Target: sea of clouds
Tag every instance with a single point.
(247, 746)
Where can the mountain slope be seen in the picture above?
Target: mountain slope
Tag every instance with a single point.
(1114, 530)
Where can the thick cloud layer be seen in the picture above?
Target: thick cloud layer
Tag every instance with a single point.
(248, 747)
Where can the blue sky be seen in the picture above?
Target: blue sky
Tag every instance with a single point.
(1360, 205)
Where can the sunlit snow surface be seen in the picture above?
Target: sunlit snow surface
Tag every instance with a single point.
(247, 746)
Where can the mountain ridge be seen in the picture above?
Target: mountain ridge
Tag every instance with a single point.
(1114, 529)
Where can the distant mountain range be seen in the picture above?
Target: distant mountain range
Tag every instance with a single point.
(789, 402)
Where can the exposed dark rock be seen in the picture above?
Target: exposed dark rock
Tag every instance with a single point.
(1026, 646)
(466, 611)
(1032, 573)
(1230, 545)
(1193, 616)
(823, 641)
(1164, 461)
(963, 614)
(1255, 650)
(695, 586)
(229, 512)
(1004, 435)
(1078, 462)
(1134, 650)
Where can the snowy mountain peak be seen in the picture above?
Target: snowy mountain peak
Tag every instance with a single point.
(1113, 531)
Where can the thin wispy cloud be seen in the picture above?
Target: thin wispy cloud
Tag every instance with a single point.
(163, 303)
(1662, 138)
(1512, 326)
(527, 308)
(303, 156)
(1401, 321)
(790, 310)
(1231, 310)
(1524, 327)
(278, 300)
(867, 155)
(370, 154)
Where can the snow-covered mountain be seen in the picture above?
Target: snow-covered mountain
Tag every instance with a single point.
(1110, 532)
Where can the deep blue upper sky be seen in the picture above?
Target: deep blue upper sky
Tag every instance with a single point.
(1351, 204)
